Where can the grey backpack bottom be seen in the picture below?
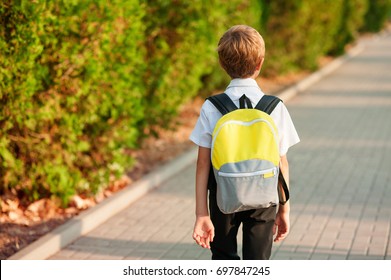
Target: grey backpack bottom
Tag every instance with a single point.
(239, 191)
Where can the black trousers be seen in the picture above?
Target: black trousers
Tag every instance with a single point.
(257, 232)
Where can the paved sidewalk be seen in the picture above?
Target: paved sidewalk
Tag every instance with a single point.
(340, 180)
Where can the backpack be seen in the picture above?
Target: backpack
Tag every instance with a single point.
(245, 155)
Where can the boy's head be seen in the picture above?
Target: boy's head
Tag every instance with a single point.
(241, 51)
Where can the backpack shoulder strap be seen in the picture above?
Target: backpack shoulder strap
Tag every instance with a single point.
(283, 190)
(223, 103)
(268, 103)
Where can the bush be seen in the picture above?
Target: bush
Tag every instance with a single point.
(70, 93)
(350, 22)
(298, 33)
(379, 11)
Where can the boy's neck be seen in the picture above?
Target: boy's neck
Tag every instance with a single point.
(253, 76)
(256, 74)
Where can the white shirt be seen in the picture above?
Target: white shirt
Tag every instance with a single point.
(209, 115)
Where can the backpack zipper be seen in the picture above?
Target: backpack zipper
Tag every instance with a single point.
(248, 174)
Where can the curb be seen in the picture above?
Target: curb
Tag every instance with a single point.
(65, 234)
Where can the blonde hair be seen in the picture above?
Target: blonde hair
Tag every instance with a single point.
(240, 50)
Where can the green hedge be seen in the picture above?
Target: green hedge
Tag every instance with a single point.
(70, 93)
(379, 11)
(298, 33)
(82, 80)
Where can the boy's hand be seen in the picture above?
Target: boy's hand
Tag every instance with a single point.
(203, 232)
(281, 225)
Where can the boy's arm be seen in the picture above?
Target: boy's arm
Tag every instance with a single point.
(203, 229)
(282, 224)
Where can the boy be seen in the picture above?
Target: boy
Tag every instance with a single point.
(241, 53)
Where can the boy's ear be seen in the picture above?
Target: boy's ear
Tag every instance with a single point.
(259, 66)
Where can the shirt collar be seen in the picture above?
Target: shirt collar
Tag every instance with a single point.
(247, 82)
(235, 88)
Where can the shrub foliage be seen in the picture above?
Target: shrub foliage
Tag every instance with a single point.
(70, 93)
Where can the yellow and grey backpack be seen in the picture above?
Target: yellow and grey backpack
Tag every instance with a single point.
(245, 155)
